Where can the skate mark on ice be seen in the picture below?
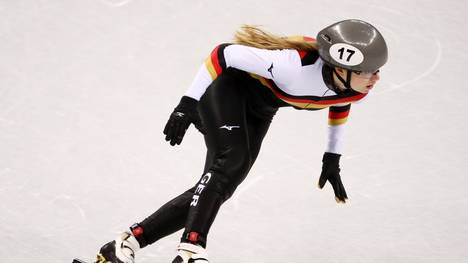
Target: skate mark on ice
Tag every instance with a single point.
(243, 188)
(116, 3)
(4, 186)
(395, 35)
(426, 73)
(69, 200)
(4, 171)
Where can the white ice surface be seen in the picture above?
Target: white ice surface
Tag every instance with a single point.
(87, 86)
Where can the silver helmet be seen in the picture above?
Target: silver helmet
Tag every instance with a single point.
(353, 44)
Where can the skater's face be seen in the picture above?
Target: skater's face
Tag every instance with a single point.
(361, 82)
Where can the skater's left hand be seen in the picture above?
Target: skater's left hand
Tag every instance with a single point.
(331, 173)
(184, 114)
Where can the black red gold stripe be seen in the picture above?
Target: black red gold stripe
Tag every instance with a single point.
(215, 63)
(308, 57)
(338, 115)
(308, 102)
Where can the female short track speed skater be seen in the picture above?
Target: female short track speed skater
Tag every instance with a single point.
(232, 101)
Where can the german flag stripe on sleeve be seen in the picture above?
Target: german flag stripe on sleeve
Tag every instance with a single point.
(338, 115)
(308, 102)
(215, 63)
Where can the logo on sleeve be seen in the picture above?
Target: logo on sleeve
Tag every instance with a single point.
(270, 69)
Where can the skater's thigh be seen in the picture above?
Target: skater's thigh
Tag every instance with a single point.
(223, 113)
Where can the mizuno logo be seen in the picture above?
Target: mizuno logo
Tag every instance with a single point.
(270, 69)
(229, 128)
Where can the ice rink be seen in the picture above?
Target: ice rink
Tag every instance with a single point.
(87, 86)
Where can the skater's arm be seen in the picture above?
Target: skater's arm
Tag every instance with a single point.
(279, 65)
(337, 117)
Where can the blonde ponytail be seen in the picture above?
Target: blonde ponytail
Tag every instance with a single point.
(253, 36)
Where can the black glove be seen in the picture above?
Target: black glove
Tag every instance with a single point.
(184, 114)
(331, 173)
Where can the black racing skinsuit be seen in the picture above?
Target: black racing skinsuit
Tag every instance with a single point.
(245, 108)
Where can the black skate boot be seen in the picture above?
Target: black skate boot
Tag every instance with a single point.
(191, 249)
(190, 253)
(120, 250)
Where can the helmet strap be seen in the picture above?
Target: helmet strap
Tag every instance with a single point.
(347, 82)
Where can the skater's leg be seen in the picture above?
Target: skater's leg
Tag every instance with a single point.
(233, 140)
(231, 168)
(223, 111)
(166, 220)
(258, 124)
(171, 217)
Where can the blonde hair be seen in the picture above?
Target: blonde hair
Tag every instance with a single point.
(253, 36)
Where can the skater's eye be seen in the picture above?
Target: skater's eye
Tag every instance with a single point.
(366, 74)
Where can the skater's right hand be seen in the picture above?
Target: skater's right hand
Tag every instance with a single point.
(179, 121)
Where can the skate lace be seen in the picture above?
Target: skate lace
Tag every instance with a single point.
(127, 249)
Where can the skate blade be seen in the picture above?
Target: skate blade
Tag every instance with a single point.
(99, 259)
